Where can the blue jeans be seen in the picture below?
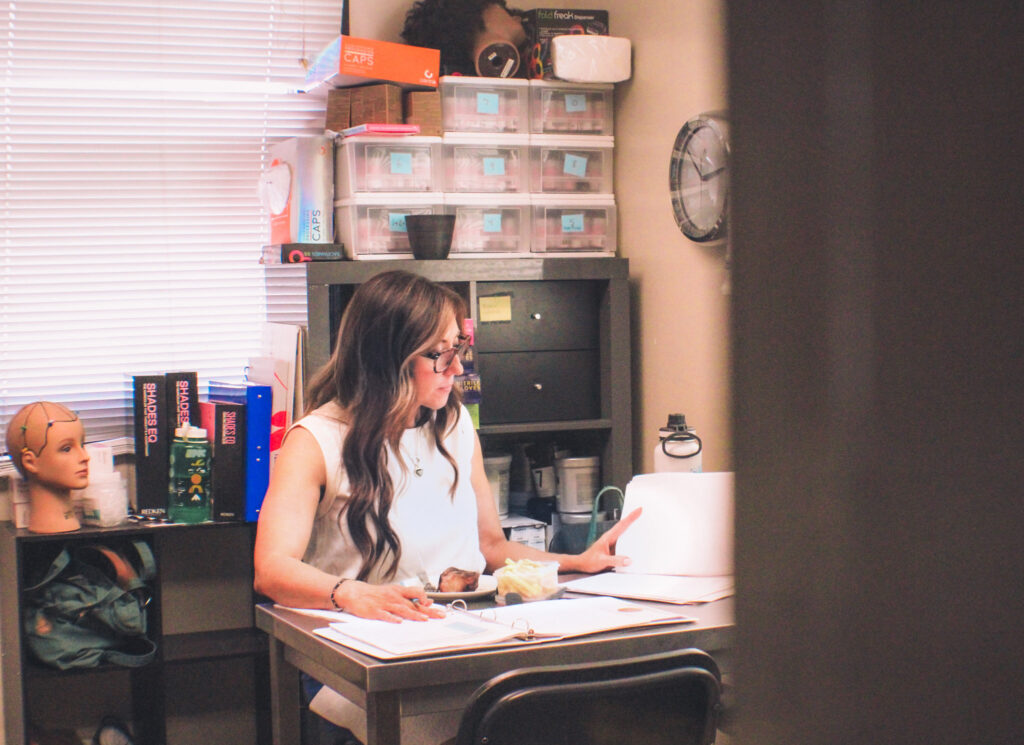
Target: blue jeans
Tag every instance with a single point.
(324, 732)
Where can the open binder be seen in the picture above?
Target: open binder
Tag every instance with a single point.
(462, 629)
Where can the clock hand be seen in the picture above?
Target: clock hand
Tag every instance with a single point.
(706, 176)
(695, 166)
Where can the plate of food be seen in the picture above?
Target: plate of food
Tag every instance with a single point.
(459, 583)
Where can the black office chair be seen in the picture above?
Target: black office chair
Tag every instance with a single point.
(670, 698)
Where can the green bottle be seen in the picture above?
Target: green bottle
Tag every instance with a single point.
(189, 499)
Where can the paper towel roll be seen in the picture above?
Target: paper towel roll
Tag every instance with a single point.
(586, 58)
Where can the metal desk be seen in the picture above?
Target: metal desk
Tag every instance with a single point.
(388, 689)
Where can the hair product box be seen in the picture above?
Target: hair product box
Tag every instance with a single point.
(298, 190)
(350, 60)
(543, 24)
(182, 400)
(152, 444)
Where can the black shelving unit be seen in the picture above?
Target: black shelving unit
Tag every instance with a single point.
(20, 550)
(570, 323)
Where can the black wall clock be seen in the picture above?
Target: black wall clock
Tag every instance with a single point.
(698, 177)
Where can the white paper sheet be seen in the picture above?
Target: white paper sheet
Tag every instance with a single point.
(686, 527)
(658, 587)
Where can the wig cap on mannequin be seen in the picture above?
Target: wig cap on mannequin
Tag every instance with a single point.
(29, 429)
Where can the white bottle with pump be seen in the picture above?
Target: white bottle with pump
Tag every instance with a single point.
(678, 448)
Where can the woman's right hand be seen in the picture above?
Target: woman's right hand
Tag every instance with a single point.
(386, 602)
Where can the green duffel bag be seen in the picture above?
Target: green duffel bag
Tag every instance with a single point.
(89, 608)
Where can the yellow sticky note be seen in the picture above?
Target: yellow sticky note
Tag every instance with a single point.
(495, 308)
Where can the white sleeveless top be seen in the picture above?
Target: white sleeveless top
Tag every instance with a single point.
(436, 530)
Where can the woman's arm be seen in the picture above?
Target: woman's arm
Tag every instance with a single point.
(496, 548)
(283, 532)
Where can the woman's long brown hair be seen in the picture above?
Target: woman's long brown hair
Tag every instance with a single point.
(390, 319)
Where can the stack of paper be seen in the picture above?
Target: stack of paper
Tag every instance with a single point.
(658, 587)
(546, 620)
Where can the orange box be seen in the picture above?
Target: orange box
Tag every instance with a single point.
(349, 60)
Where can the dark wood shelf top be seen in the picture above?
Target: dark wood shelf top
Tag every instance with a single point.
(206, 645)
(470, 270)
(126, 529)
(575, 425)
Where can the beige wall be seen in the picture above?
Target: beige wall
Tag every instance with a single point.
(680, 320)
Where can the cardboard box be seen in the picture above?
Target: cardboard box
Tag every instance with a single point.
(349, 60)
(376, 104)
(424, 108)
(339, 109)
(544, 23)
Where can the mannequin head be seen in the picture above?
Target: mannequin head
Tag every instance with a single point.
(46, 442)
(461, 28)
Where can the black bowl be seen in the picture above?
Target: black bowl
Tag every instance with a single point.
(430, 236)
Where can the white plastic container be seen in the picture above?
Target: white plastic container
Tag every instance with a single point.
(573, 224)
(372, 226)
(474, 104)
(386, 164)
(579, 165)
(498, 467)
(578, 482)
(485, 163)
(104, 501)
(558, 107)
(490, 224)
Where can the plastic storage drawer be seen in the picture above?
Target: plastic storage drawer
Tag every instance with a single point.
(482, 163)
(471, 104)
(372, 226)
(580, 165)
(488, 224)
(573, 224)
(571, 108)
(386, 164)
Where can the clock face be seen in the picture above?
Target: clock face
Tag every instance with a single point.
(699, 177)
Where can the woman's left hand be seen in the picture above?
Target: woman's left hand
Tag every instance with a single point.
(601, 554)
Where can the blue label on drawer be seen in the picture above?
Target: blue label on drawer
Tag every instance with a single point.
(487, 103)
(494, 166)
(492, 222)
(575, 103)
(575, 165)
(396, 222)
(572, 222)
(401, 164)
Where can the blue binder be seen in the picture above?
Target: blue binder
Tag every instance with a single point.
(257, 399)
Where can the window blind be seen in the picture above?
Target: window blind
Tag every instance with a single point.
(134, 133)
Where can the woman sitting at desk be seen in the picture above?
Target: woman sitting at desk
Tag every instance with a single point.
(383, 480)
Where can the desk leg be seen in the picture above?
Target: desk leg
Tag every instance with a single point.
(284, 697)
(383, 719)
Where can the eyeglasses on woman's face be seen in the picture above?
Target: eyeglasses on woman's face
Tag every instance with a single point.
(444, 359)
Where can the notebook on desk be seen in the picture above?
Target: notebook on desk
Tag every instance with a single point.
(527, 623)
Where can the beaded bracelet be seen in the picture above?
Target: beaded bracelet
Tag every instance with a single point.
(334, 589)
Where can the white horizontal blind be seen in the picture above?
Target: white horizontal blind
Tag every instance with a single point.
(134, 133)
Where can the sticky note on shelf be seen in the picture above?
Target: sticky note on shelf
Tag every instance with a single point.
(495, 308)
